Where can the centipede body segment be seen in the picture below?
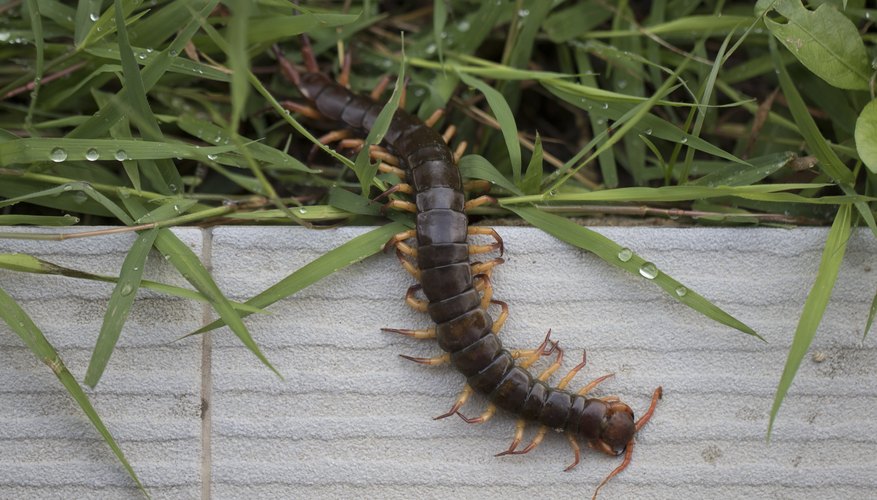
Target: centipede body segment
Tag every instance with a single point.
(457, 291)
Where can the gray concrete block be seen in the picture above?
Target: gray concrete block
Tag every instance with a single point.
(149, 396)
(353, 419)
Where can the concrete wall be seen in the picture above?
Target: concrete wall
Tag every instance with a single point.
(354, 419)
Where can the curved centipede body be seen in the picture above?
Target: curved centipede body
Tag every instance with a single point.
(463, 328)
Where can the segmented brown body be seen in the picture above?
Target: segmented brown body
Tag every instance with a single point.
(463, 328)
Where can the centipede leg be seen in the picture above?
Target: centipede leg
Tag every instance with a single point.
(477, 202)
(400, 238)
(380, 88)
(344, 76)
(458, 153)
(458, 403)
(629, 451)
(328, 138)
(405, 206)
(390, 169)
(486, 267)
(434, 117)
(422, 334)
(302, 109)
(577, 451)
(503, 316)
(483, 285)
(407, 265)
(476, 186)
(419, 305)
(448, 134)
(488, 231)
(433, 361)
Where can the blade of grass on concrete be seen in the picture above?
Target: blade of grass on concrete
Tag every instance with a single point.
(814, 307)
(120, 305)
(626, 259)
(20, 323)
(29, 264)
(334, 260)
(187, 263)
(871, 313)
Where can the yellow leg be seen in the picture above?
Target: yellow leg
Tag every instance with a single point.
(449, 133)
(415, 303)
(488, 231)
(458, 153)
(503, 316)
(405, 206)
(389, 169)
(477, 202)
(434, 117)
(486, 267)
(400, 238)
(422, 334)
(576, 451)
(458, 403)
(480, 419)
(434, 361)
(380, 88)
(408, 265)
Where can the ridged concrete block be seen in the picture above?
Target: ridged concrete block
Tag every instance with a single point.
(352, 419)
(149, 396)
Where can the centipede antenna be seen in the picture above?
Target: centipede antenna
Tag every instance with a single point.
(643, 420)
(307, 54)
(287, 67)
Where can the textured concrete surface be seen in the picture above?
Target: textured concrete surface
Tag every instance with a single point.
(353, 419)
(149, 396)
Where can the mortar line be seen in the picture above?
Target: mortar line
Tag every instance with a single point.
(206, 378)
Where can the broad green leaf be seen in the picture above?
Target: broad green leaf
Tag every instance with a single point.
(506, 120)
(120, 305)
(20, 323)
(866, 136)
(626, 259)
(825, 41)
(334, 260)
(814, 307)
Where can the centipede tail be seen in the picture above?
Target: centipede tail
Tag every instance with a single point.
(463, 328)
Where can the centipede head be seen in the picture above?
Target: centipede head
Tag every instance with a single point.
(618, 427)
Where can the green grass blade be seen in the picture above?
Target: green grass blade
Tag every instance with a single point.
(336, 259)
(120, 305)
(238, 60)
(814, 306)
(87, 12)
(364, 168)
(871, 313)
(38, 220)
(533, 178)
(187, 263)
(624, 258)
(20, 323)
(477, 167)
(29, 264)
(506, 120)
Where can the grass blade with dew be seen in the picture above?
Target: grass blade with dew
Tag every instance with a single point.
(120, 305)
(626, 259)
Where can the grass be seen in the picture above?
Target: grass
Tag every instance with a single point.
(153, 116)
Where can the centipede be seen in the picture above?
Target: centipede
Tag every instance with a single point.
(458, 290)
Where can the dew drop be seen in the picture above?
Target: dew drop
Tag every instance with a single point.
(463, 26)
(523, 13)
(58, 155)
(126, 290)
(68, 187)
(302, 210)
(141, 56)
(649, 271)
(94, 16)
(173, 53)
(684, 140)
(681, 291)
(605, 105)
(177, 208)
(625, 254)
(4, 36)
(601, 121)
(430, 49)
(121, 155)
(172, 187)
(648, 131)
(80, 197)
(92, 154)
(622, 84)
(212, 156)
